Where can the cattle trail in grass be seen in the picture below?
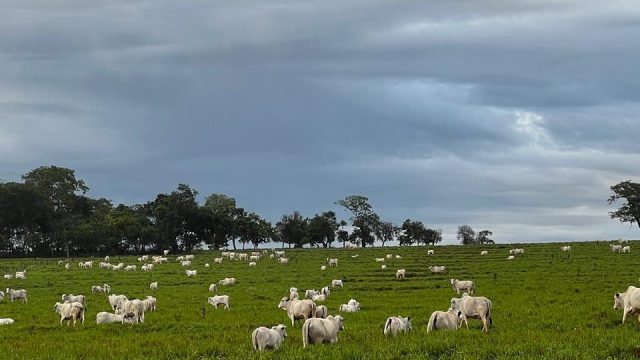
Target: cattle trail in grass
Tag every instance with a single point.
(548, 302)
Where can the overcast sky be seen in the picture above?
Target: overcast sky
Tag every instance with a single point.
(514, 116)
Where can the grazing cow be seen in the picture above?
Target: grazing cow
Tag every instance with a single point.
(149, 303)
(615, 248)
(320, 297)
(395, 324)
(473, 307)
(279, 253)
(189, 257)
(383, 267)
(147, 267)
(353, 302)
(628, 301)
(185, 263)
(298, 309)
(438, 269)
(626, 249)
(75, 298)
(252, 264)
(116, 300)
(322, 311)
(379, 259)
(466, 285)
(336, 282)
(516, 251)
(132, 309)
(355, 256)
(284, 260)
(191, 273)
(254, 257)
(213, 287)
(511, 257)
(70, 311)
(332, 262)
(217, 260)
(243, 256)
(7, 321)
(8, 276)
(565, 248)
(310, 293)
(165, 252)
(349, 308)
(325, 290)
(398, 257)
(130, 268)
(153, 286)
(108, 318)
(206, 265)
(323, 268)
(400, 274)
(265, 338)
(17, 294)
(431, 252)
(389, 256)
(227, 281)
(444, 320)
(318, 331)
(484, 252)
(97, 288)
(21, 274)
(106, 288)
(67, 266)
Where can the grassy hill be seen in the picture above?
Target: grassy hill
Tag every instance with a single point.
(546, 304)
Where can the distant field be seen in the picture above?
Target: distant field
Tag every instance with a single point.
(546, 304)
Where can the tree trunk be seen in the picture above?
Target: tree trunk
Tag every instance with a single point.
(234, 243)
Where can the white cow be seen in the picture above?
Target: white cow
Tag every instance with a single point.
(466, 285)
(97, 289)
(252, 264)
(323, 268)
(398, 257)
(320, 297)
(108, 318)
(484, 252)
(185, 263)
(325, 290)
(153, 286)
(21, 274)
(389, 256)
(206, 265)
(217, 260)
(516, 251)
(438, 269)
(444, 320)
(165, 252)
(67, 266)
(615, 248)
(332, 262)
(265, 338)
(473, 307)
(395, 324)
(284, 260)
(322, 311)
(626, 249)
(310, 293)
(149, 303)
(298, 309)
(213, 287)
(628, 301)
(227, 281)
(70, 311)
(116, 300)
(383, 267)
(511, 257)
(336, 282)
(17, 294)
(8, 276)
(147, 267)
(1, 296)
(75, 298)
(191, 273)
(318, 331)
(349, 308)
(254, 257)
(400, 274)
(106, 288)
(7, 321)
(431, 252)
(380, 260)
(293, 293)
(565, 248)
(243, 256)
(132, 309)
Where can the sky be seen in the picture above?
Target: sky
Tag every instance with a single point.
(512, 116)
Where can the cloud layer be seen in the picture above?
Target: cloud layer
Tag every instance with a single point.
(516, 117)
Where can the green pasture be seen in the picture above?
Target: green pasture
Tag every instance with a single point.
(546, 305)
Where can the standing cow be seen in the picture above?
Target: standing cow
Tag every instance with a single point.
(318, 331)
(473, 307)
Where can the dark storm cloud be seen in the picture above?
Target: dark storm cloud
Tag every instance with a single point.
(514, 116)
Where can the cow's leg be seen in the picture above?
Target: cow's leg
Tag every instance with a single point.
(624, 314)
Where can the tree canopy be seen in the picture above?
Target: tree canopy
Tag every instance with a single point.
(630, 209)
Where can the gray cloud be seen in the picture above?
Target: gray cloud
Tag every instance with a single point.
(515, 117)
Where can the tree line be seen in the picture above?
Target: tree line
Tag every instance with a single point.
(48, 213)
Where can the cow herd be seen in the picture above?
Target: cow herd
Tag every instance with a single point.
(318, 325)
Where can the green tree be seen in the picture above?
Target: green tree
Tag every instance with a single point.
(291, 229)
(175, 219)
(466, 235)
(225, 213)
(364, 220)
(483, 237)
(386, 231)
(630, 210)
(413, 232)
(322, 229)
(433, 236)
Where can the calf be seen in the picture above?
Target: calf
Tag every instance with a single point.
(264, 338)
(395, 324)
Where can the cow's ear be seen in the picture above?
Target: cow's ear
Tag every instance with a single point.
(409, 318)
(617, 294)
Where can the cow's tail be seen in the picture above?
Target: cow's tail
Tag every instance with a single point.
(254, 340)
(489, 312)
(386, 326)
(314, 307)
(305, 334)
(432, 322)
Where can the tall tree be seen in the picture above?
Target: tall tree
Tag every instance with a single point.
(386, 231)
(466, 235)
(364, 220)
(175, 218)
(225, 213)
(432, 236)
(342, 234)
(291, 230)
(630, 210)
(413, 232)
(322, 229)
(483, 237)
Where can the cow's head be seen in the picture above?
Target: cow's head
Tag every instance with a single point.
(455, 304)
(618, 301)
(339, 320)
(283, 303)
(281, 329)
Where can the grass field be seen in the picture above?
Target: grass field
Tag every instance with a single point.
(546, 304)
